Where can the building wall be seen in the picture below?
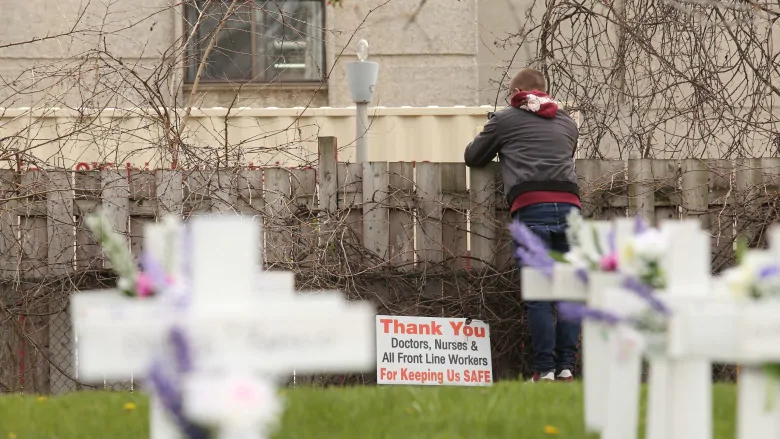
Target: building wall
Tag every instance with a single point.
(63, 71)
(429, 62)
(448, 55)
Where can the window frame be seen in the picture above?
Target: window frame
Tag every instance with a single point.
(188, 51)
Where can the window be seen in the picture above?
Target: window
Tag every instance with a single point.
(262, 41)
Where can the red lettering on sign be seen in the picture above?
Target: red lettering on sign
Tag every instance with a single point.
(468, 331)
(476, 376)
(410, 328)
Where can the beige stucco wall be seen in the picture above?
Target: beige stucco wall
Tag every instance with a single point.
(62, 71)
(430, 62)
(495, 58)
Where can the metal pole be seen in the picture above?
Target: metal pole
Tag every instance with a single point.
(361, 123)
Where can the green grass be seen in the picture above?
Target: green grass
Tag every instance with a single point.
(507, 410)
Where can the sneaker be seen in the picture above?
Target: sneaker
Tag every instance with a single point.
(565, 375)
(549, 376)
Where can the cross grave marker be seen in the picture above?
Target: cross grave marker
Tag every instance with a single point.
(747, 332)
(679, 395)
(567, 286)
(232, 329)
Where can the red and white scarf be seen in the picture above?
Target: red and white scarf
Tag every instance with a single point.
(536, 102)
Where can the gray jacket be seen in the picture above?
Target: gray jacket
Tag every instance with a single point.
(536, 153)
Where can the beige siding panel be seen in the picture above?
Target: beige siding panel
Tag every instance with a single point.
(257, 136)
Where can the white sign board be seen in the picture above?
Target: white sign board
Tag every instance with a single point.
(433, 351)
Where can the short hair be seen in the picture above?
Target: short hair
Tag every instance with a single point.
(529, 79)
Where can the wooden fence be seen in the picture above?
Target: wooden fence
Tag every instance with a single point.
(417, 238)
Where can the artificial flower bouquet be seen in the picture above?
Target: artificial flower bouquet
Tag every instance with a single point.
(155, 279)
(132, 281)
(564, 276)
(755, 278)
(632, 260)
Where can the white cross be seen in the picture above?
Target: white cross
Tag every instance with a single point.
(733, 331)
(163, 242)
(233, 330)
(567, 286)
(679, 398)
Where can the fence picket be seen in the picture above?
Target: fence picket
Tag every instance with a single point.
(666, 188)
(376, 230)
(641, 193)
(721, 222)
(222, 191)
(454, 237)
(350, 202)
(304, 187)
(9, 291)
(116, 201)
(695, 190)
(169, 192)
(429, 225)
(87, 199)
(401, 215)
(278, 236)
(482, 216)
(60, 230)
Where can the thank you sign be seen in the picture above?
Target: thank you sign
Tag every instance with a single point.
(433, 351)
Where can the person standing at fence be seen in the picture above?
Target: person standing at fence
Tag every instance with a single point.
(535, 142)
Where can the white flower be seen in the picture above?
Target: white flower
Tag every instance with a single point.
(587, 244)
(533, 103)
(576, 258)
(739, 280)
(639, 255)
(743, 279)
(652, 244)
(591, 243)
(124, 284)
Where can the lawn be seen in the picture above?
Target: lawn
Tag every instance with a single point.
(507, 410)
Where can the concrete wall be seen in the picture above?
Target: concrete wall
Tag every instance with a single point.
(430, 62)
(63, 71)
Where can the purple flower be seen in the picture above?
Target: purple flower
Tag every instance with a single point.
(769, 271)
(531, 251)
(582, 274)
(646, 293)
(181, 350)
(171, 398)
(578, 312)
(639, 225)
(154, 270)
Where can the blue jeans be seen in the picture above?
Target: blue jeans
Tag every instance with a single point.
(554, 343)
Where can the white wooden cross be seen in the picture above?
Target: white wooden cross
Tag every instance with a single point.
(679, 397)
(163, 243)
(738, 331)
(567, 286)
(233, 330)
